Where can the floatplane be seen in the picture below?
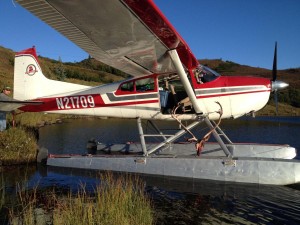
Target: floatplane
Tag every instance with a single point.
(167, 83)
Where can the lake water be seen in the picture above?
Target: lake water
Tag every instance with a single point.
(177, 201)
(72, 136)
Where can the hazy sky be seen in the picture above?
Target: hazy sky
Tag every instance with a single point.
(243, 31)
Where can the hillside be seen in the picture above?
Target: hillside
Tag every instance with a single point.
(228, 68)
(87, 72)
(91, 72)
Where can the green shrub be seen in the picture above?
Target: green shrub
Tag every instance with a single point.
(294, 95)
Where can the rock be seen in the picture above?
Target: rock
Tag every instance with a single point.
(42, 155)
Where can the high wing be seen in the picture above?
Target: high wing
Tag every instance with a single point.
(130, 35)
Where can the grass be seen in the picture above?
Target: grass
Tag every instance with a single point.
(118, 200)
(34, 119)
(17, 146)
(37, 119)
(2, 191)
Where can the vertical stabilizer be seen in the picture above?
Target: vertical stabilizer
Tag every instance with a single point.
(27, 75)
(29, 81)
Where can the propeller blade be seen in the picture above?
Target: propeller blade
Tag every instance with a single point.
(274, 72)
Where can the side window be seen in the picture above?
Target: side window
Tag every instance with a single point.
(146, 84)
(127, 86)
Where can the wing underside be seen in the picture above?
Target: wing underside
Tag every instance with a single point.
(130, 35)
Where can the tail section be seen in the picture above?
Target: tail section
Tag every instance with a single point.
(30, 82)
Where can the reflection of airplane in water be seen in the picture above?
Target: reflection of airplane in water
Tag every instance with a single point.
(168, 84)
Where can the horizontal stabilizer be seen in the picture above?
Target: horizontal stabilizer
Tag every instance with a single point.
(8, 104)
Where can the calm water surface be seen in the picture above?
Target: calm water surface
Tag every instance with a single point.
(178, 201)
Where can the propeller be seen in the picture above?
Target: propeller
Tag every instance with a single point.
(276, 85)
(274, 71)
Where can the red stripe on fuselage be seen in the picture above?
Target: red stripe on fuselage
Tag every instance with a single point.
(131, 103)
(238, 93)
(77, 102)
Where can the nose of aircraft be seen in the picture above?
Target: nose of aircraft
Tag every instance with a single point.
(279, 85)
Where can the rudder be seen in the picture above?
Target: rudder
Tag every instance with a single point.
(30, 82)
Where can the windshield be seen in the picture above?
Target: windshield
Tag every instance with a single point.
(204, 74)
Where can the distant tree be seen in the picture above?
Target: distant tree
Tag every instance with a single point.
(11, 61)
(60, 70)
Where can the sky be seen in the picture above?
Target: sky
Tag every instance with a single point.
(241, 31)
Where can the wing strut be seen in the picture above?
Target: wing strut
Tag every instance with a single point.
(185, 81)
(190, 92)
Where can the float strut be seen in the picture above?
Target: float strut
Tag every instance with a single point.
(142, 138)
(174, 137)
(157, 129)
(218, 138)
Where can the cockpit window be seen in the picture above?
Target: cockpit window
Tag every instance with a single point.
(127, 86)
(146, 84)
(140, 85)
(204, 74)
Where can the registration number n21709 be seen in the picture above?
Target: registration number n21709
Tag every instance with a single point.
(75, 102)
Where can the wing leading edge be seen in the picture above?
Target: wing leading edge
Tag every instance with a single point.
(130, 35)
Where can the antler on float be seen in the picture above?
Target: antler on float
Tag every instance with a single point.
(173, 114)
(200, 143)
